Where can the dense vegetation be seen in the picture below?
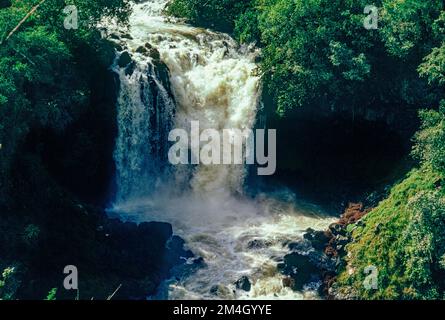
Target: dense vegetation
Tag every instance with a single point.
(57, 128)
(317, 53)
(326, 58)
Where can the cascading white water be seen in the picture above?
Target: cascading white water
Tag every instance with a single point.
(145, 112)
(212, 81)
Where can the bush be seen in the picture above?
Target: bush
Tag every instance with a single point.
(430, 140)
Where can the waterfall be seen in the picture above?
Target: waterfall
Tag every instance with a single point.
(213, 82)
(145, 112)
(171, 74)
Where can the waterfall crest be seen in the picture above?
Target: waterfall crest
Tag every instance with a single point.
(212, 80)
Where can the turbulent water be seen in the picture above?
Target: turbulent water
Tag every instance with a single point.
(213, 80)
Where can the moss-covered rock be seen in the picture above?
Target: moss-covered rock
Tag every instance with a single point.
(391, 239)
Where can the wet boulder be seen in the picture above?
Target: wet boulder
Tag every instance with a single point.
(124, 59)
(318, 239)
(243, 283)
(142, 50)
(154, 54)
(300, 268)
(176, 252)
(256, 244)
(337, 228)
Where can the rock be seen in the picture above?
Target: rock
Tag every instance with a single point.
(163, 74)
(142, 50)
(288, 282)
(148, 45)
(220, 290)
(214, 290)
(114, 36)
(139, 257)
(353, 213)
(330, 251)
(318, 239)
(337, 228)
(124, 59)
(118, 47)
(243, 283)
(176, 252)
(257, 244)
(300, 247)
(127, 36)
(300, 268)
(130, 68)
(199, 262)
(341, 240)
(154, 53)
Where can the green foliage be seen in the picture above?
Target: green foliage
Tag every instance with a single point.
(9, 283)
(42, 83)
(52, 294)
(31, 234)
(408, 25)
(433, 67)
(317, 53)
(217, 14)
(404, 237)
(430, 140)
(246, 27)
(46, 78)
(427, 232)
(397, 239)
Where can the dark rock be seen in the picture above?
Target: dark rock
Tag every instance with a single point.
(127, 36)
(300, 247)
(130, 68)
(154, 53)
(318, 239)
(114, 36)
(142, 50)
(148, 45)
(199, 261)
(118, 47)
(163, 73)
(341, 240)
(300, 268)
(337, 228)
(257, 244)
(214, 290)
(243, 283)
(321, 261)
(124, 59)
(177, 254)
(288, 282)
